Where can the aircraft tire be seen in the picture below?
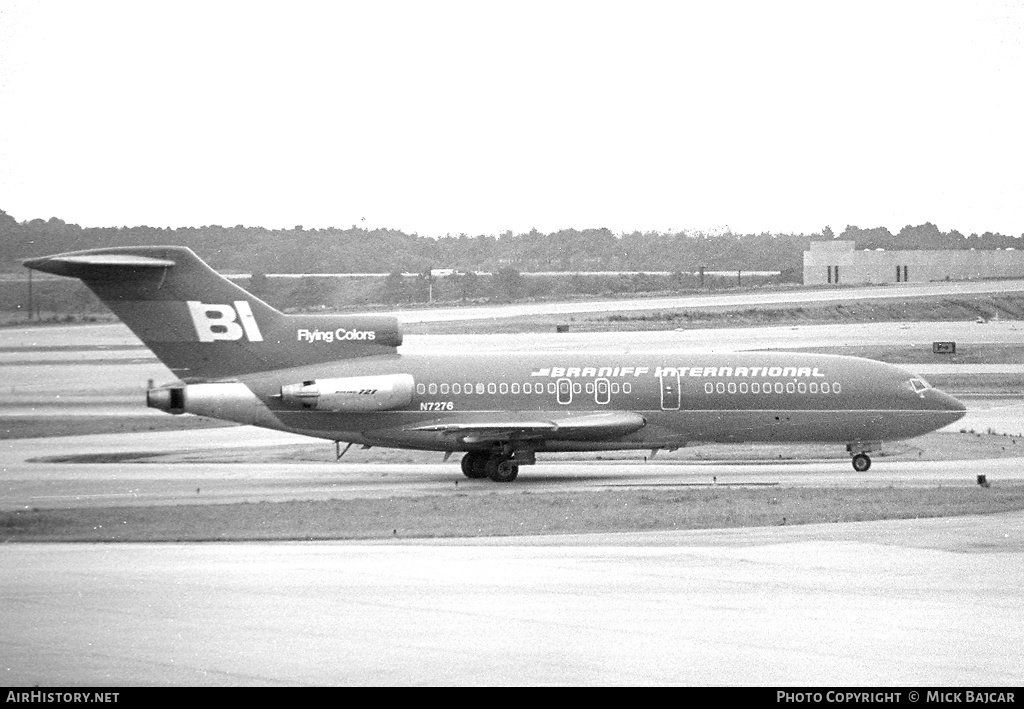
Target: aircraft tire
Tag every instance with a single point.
(861, 462)
(474, 465)
(502, 470)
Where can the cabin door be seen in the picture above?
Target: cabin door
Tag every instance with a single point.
(670, 396)
(564, 391)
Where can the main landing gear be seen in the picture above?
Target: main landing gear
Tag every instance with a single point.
(482, 464)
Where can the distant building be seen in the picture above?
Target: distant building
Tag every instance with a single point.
(838, 262)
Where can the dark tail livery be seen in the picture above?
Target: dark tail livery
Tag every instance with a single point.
(172, 301)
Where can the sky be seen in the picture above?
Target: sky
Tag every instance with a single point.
(481, 117)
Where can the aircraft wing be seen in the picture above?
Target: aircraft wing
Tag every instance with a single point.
(575, 427)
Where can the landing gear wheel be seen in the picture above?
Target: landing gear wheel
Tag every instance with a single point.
(861, 462)
(474, 465)
(502, 470)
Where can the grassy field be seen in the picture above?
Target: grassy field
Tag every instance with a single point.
(505, 512)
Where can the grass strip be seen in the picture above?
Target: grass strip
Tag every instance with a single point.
(505, 513)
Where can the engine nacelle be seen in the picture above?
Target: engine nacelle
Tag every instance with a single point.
(352, 394)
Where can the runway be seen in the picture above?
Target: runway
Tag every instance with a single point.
(911, 603)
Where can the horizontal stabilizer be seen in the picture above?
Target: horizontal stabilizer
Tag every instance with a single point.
(93, 266)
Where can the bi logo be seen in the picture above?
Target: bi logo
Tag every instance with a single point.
(224, 322)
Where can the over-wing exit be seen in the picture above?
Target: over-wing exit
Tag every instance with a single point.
(341, 378)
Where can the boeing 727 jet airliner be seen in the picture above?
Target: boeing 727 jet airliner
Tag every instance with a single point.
(341, 378)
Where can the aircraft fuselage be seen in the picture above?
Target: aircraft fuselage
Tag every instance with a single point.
(771, 397)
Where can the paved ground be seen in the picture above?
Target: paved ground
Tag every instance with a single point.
(911, 603)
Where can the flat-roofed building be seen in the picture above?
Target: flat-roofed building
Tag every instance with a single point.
(840, 263)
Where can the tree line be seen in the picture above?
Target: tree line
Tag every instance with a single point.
(259, 250)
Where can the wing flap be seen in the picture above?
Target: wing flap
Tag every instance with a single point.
(568, 427)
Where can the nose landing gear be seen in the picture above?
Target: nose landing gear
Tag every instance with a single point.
(859, 450)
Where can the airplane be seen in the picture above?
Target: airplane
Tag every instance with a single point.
(340, 377)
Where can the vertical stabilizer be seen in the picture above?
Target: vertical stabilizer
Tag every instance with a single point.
(203, 326)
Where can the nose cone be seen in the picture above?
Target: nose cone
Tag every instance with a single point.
(952, 408)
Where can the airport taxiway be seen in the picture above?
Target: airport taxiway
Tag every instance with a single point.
(905, 603)
(147, 469)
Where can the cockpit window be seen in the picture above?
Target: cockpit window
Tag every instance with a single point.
(919, 384)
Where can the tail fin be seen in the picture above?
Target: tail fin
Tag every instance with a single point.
(203, 326)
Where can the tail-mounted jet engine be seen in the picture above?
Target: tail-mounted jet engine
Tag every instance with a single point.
(351, 394)
(167, 398)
